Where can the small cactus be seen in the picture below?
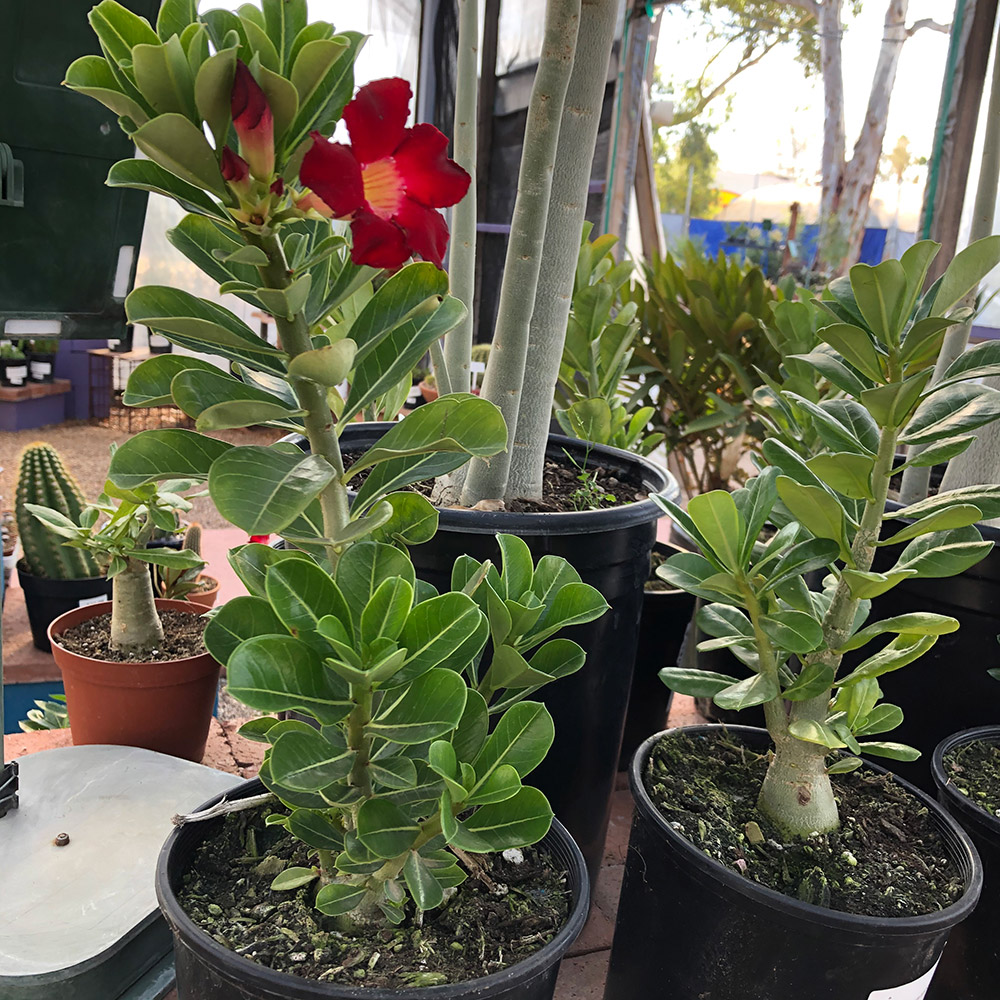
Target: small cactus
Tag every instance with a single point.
(192, 538)
(43, 479)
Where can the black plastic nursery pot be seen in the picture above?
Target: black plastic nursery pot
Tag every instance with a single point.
(610, 549)
(666, 615)
(970, 968)
(691, 929)
(41, 367)
(47, 599)
(13, 373)
(948, 689)
(208, 971)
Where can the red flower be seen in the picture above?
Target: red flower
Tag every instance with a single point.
(253, 122)
(389, 181)
(235, 170)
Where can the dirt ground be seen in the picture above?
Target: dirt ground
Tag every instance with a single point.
(84, 450)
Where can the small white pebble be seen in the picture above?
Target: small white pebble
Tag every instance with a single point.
(514, 856)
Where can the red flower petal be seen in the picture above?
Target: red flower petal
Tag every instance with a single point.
(234, 168)
(376, 118)
(377, 242)
(430, 177)
(253, 122)
(425, 229)
(331, 170)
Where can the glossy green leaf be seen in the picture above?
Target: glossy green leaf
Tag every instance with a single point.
(164, 76)
(91, 75)
(816, 510)
(916, 623)
(337, 898)
(903, 650)
(414, 520)
(237, 620)
(521, 739)
(251, 561)
(813, 680)
(171, 453)
(801, 558)
(881, 295)
(688, 571)
(293, 878)
(849, 474)
(199, 390)
(935, 454)
(435, 629)
(811, 731)
(865, 585)
(384, 828)
(424, 887)
(753, 690)
(516, 822)
(362, 569)
(894, 751)
(957, 516)
(426, 709)
(855, 346)
(969, 267)
(386, 613)
(944, 553)
(831, 367)
(262, 490)
(720, 524)
(394, 772)
(755, 502)
(306, 761)
(470, 735)
(180, 147)
(301, 593)
(574, 604)
(278, 673)
(793, 631)
(328, 365)
(953, 410)
(882, 719)
(149, 383)
(986, 498)
(313, 827)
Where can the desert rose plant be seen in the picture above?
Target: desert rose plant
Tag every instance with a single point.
(423, 740)
(114, 529)
(882, 340)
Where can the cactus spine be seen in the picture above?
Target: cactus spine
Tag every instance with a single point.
(43, 479)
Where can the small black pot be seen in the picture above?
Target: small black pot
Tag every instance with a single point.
(47, 599)
(208, 971)
(689, 927)
(41, 367)
(666, 615)
(970, 968)
(13, 372)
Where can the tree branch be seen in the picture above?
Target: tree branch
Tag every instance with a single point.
(927, 22)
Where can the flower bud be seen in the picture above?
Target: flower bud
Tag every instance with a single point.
(253, 122)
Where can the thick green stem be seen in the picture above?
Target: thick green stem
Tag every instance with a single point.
(505, 372)
(358, 740)
(318, 419)
(462, 256)
(581, 117)
(796, 793)
(135, 625)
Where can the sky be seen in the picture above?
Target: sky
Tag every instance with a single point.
(774, 97)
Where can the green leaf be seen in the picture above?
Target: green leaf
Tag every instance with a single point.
(831, 367)
(278, 673)
(516, 822)
(816, 510)
(213, 86)
(425, 889)
(978, 362)
(716, 517)
(313, 827)
(882, 719)
(755, 503)
(881, 295)
(470, 735)
(847, 473)
(426, 709)
(955, 409)
(574, 604)
(891, 404)
(385, 614)
(197, 391)
(149, 383)
(149, 176)
(251, 561)
(436, 629)
(362, 570)
(855, 346)
(164, 76)
(944, 553)
(503, 783)
(794, 631)
(414, 520)
(958, 516)
(180, 147)
(801, 558)
(894, 751)
(385, 829)
(721, 620)
(306, 761)
(394, 772)
(865, 585)
(521, 739)
(916, 623)
(262, 490)
(688, 571)
(283, 20)
(844, 765)
(91, 75)
(293, 878)
(811, 731)
(965, 273)
(172, 453)
(813, 680)
(986, 498)
(337, 898)
(936, 454)
(832, 430)
(328, 365)
(237, 620)
(300, 593)
(753, 690)
(903, 650)
(696, 683)
(169, 558)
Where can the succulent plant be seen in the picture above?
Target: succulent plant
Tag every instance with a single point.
(43, 479)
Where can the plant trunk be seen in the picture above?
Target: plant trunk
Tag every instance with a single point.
(858, 176)
(505, 372)
(980, 463)
(581, 117)
(135, 625)
(462, 258)
(796, 793)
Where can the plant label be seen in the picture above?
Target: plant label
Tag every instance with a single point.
(84, 601)
(40, 370)
(17, 374)
(916, 990)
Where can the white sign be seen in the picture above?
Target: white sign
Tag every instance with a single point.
(41, 369)
(85, 601)
(17, 374)
(916, 990)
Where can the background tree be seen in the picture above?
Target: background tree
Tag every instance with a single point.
(675, 156)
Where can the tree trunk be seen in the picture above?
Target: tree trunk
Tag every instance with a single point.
(859, 175)
(505, 372)
(567, 207)
(135, 625)
(832, 67)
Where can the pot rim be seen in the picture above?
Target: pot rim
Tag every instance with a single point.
(962, 803)
(795, 908)
(655, 478)
(203, 944)
(54, 579)
(55, 629)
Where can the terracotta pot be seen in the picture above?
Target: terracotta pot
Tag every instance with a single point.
(429, 392)
(164, 706)
(206, 598)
